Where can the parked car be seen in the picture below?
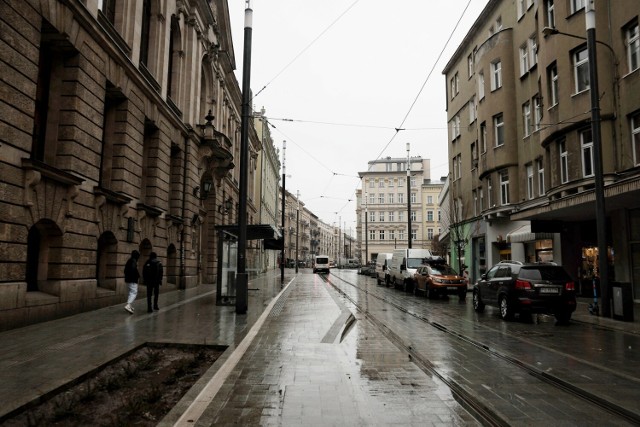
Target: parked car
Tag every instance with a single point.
(514, 287)
(403, 265)
(436, 278)
(368, 269)
(382, 268)
(321, 264)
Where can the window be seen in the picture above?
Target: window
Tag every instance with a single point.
(388, 167)
(498, 129)
(499, 23)
(429, 216)
(481, 201)
(633, 46)
(504, 187)
(586, 142)
(635, 137)
(372, 235)
(455, 168)
(496, 75)
(470, 64)
(401, 182)
(414, 235)
(439, 215)
(392, 235)
(483, 137)
(524, 59)
(489, 191)
(576, 5)
(381, 183)
(481, 86)
(530, 181)
(372, 183)
(400, 234)
(401, 166)
(391, 182)
(390, 198)
(551, 18)
(455, 85)
(541, 189)
(108, 8)
(392, 216)
(521, 8)
(564, 162)
(429, 200)
(533, 50)
(400, 197)
(537, 112)
(401, 216)
(381, 198)
(553, 84)
(474, 196)
(381, 216)
(581, 70)
(472, 110)
(413, 181)
(455, 127)
(372, 198)
(413, 216)
(430, 233)
(145, 32)
(381, 234)
(413, 197)
(526, 118)
(372, 217)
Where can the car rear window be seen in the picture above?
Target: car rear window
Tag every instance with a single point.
(322, 260)
(544, 273)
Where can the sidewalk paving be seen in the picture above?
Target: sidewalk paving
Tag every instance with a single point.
(298, 351)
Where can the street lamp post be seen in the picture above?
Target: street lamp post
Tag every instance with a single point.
(284, 192)
(242, 279)
(601, 218)
(297, 227)
(366, 230)
(409, 194)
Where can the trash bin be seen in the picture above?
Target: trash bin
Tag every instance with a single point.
(622, 299)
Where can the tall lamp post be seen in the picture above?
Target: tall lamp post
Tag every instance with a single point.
(284, 192)
(366, 230)
(601, 218)
(409, 194)
(297, 227)
(242, 279)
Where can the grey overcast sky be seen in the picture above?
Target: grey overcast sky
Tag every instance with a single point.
(337, 77)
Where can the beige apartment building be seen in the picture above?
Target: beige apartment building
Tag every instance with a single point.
(120, 131)
(383, 206)
(520, 142)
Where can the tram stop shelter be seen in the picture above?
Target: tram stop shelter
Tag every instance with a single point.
(228, 255)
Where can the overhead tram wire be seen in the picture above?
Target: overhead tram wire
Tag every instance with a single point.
(306, 48)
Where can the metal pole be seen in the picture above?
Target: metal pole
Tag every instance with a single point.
(284, 192)
(297, 227)
(409, 195)
(242, 280)
(601, 213)
(366, 231)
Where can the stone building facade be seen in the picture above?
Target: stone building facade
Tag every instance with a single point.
(120, 131)
(521, 147)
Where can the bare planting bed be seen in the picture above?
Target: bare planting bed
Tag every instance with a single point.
(138, 389)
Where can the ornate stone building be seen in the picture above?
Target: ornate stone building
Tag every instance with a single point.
(120, 129)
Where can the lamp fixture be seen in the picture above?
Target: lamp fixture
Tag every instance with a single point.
(226, 206)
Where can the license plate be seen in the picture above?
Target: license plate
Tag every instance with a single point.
(451, 288)
(548, 290)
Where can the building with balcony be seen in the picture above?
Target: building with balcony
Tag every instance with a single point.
(520, 143)
(121, 128)
(383, 206)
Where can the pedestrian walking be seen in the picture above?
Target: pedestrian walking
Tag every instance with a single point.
(152, 275)
(131, 277)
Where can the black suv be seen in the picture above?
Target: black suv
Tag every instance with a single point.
(514, 287)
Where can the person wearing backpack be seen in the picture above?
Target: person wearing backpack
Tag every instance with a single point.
(152, 275)
(131, 276)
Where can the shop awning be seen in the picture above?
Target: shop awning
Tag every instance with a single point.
(267, 232)
(524, 234)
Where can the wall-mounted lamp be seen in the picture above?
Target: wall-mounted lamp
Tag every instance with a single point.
(202, 191)
(226, 206)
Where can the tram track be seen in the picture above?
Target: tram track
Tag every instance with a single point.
(481, 411)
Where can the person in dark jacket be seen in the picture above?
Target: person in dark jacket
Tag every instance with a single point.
(131, 276)
(152, 275)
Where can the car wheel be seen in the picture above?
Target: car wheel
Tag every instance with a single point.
(562, 318)
(478, 305)
(506, 309)
(378, 282)
(462, 295)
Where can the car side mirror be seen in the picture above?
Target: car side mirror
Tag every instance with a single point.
(484, 276)
(403, 267)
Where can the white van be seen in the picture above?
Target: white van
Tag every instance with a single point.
(404, 263)
(382, 268)
(321, 264)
